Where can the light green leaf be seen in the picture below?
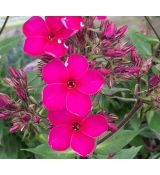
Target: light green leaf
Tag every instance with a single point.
(147, 38)
(116, 142)
(129, 153)
(46, 152)
(107, 91)
(9, 43)
(143, 47)
(153, 118)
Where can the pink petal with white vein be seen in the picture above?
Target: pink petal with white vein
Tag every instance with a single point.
(78, 103)
(82, 144)
(91, 82)
(55, 72)
(56, 48)
(59, 138)
(34, 45)
(73, 22)
(54, 96)
(94, 125)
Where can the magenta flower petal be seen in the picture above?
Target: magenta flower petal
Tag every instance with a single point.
(94, 125)
(60, 117)
(73, 22)
(35, 26)
(34, 45)
(82, 144)
(55, 72)
(101, 17)
(91, 82)
(77, 65)
(54, 96)
(78, 103)
(56, 48)
(54, 23)
(59, 138)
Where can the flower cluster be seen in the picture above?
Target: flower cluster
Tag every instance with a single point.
(69, 84)
(77, 57)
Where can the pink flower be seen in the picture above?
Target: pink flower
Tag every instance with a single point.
(101, 17)
(77, 132)
(70, 84)
(48, 36)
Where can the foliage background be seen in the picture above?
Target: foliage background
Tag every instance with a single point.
(140, 138)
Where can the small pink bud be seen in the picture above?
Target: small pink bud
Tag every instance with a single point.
(36, 119)
(135, 58)
(120, 32)
(110, 30)
(133, 69)
(146, 66)
(14, 128)
(112, 126)
(13, 72)
(4, 100)
(25, 117)
(154, 80)
(4, 114)
(114, 53)
(104, 71)
(119, 69)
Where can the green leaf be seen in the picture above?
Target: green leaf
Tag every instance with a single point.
(147, 38)
(143, 47)
(129, 153)
(153, 118)
(107, 91)
(9, 43)
(46, 152)
(116, 142)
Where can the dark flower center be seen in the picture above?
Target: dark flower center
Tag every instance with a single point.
(71, 83)
(51, 36)
(76, 126)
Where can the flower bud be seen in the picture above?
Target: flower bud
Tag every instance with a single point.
(110, 30)
(104, 71)
(25, 117)
(112, 126)
(4, 100)
(114, 53)
(132, 70)
(36, 119)
(101, 17)
(14, 128)
(119, 69)
(4, 114)
(13, 72)
(154, 80)
(146, 66)
(120, 32)
(135, 58)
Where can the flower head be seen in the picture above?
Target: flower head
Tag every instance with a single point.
(70, 84)
(48, 36)
(77, 132)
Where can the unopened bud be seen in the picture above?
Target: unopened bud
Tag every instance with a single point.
(120, 32)
(154, 80)
(146, 66)
(114, 53)
(104, 71)
(110, 30)
(36, 119)
(112, 127)
(132, 70)
(14, 128)
(25, 117)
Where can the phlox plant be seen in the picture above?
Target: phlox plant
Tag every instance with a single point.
(84, 63)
